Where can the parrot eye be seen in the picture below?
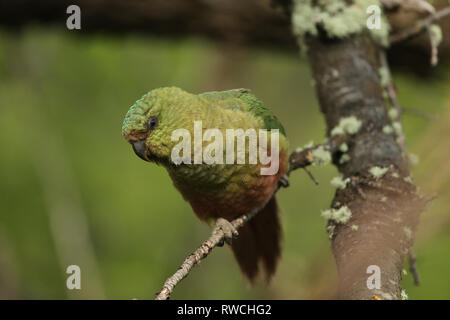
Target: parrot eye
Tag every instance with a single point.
(152, 123)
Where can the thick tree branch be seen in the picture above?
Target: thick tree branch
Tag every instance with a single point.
(384, 207)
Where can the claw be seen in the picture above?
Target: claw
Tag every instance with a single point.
(227, 228)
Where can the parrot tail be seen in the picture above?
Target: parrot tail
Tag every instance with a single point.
(259, 243)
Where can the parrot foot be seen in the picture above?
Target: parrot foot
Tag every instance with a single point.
(227, 228)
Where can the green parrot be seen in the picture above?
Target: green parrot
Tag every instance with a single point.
(218, 192)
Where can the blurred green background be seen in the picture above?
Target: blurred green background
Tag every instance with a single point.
(73, 192)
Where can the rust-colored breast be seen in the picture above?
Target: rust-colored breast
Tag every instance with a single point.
(230, 205)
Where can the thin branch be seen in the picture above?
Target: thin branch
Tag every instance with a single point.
(310, 175)
(419, 27)
(297, 159)
(301, 158)
(413, 267)
(392, 96)
(420, 113)
(202, 252)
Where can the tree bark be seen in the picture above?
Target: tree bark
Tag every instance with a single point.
(385, 210)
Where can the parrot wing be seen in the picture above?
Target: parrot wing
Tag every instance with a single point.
(244, 100)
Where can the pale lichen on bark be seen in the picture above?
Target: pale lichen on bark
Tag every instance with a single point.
(337, 18)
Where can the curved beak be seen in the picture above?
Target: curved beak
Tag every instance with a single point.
(140, 149)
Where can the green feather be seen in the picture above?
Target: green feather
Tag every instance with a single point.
(229, 100)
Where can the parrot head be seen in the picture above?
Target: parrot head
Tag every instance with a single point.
(149, 123)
